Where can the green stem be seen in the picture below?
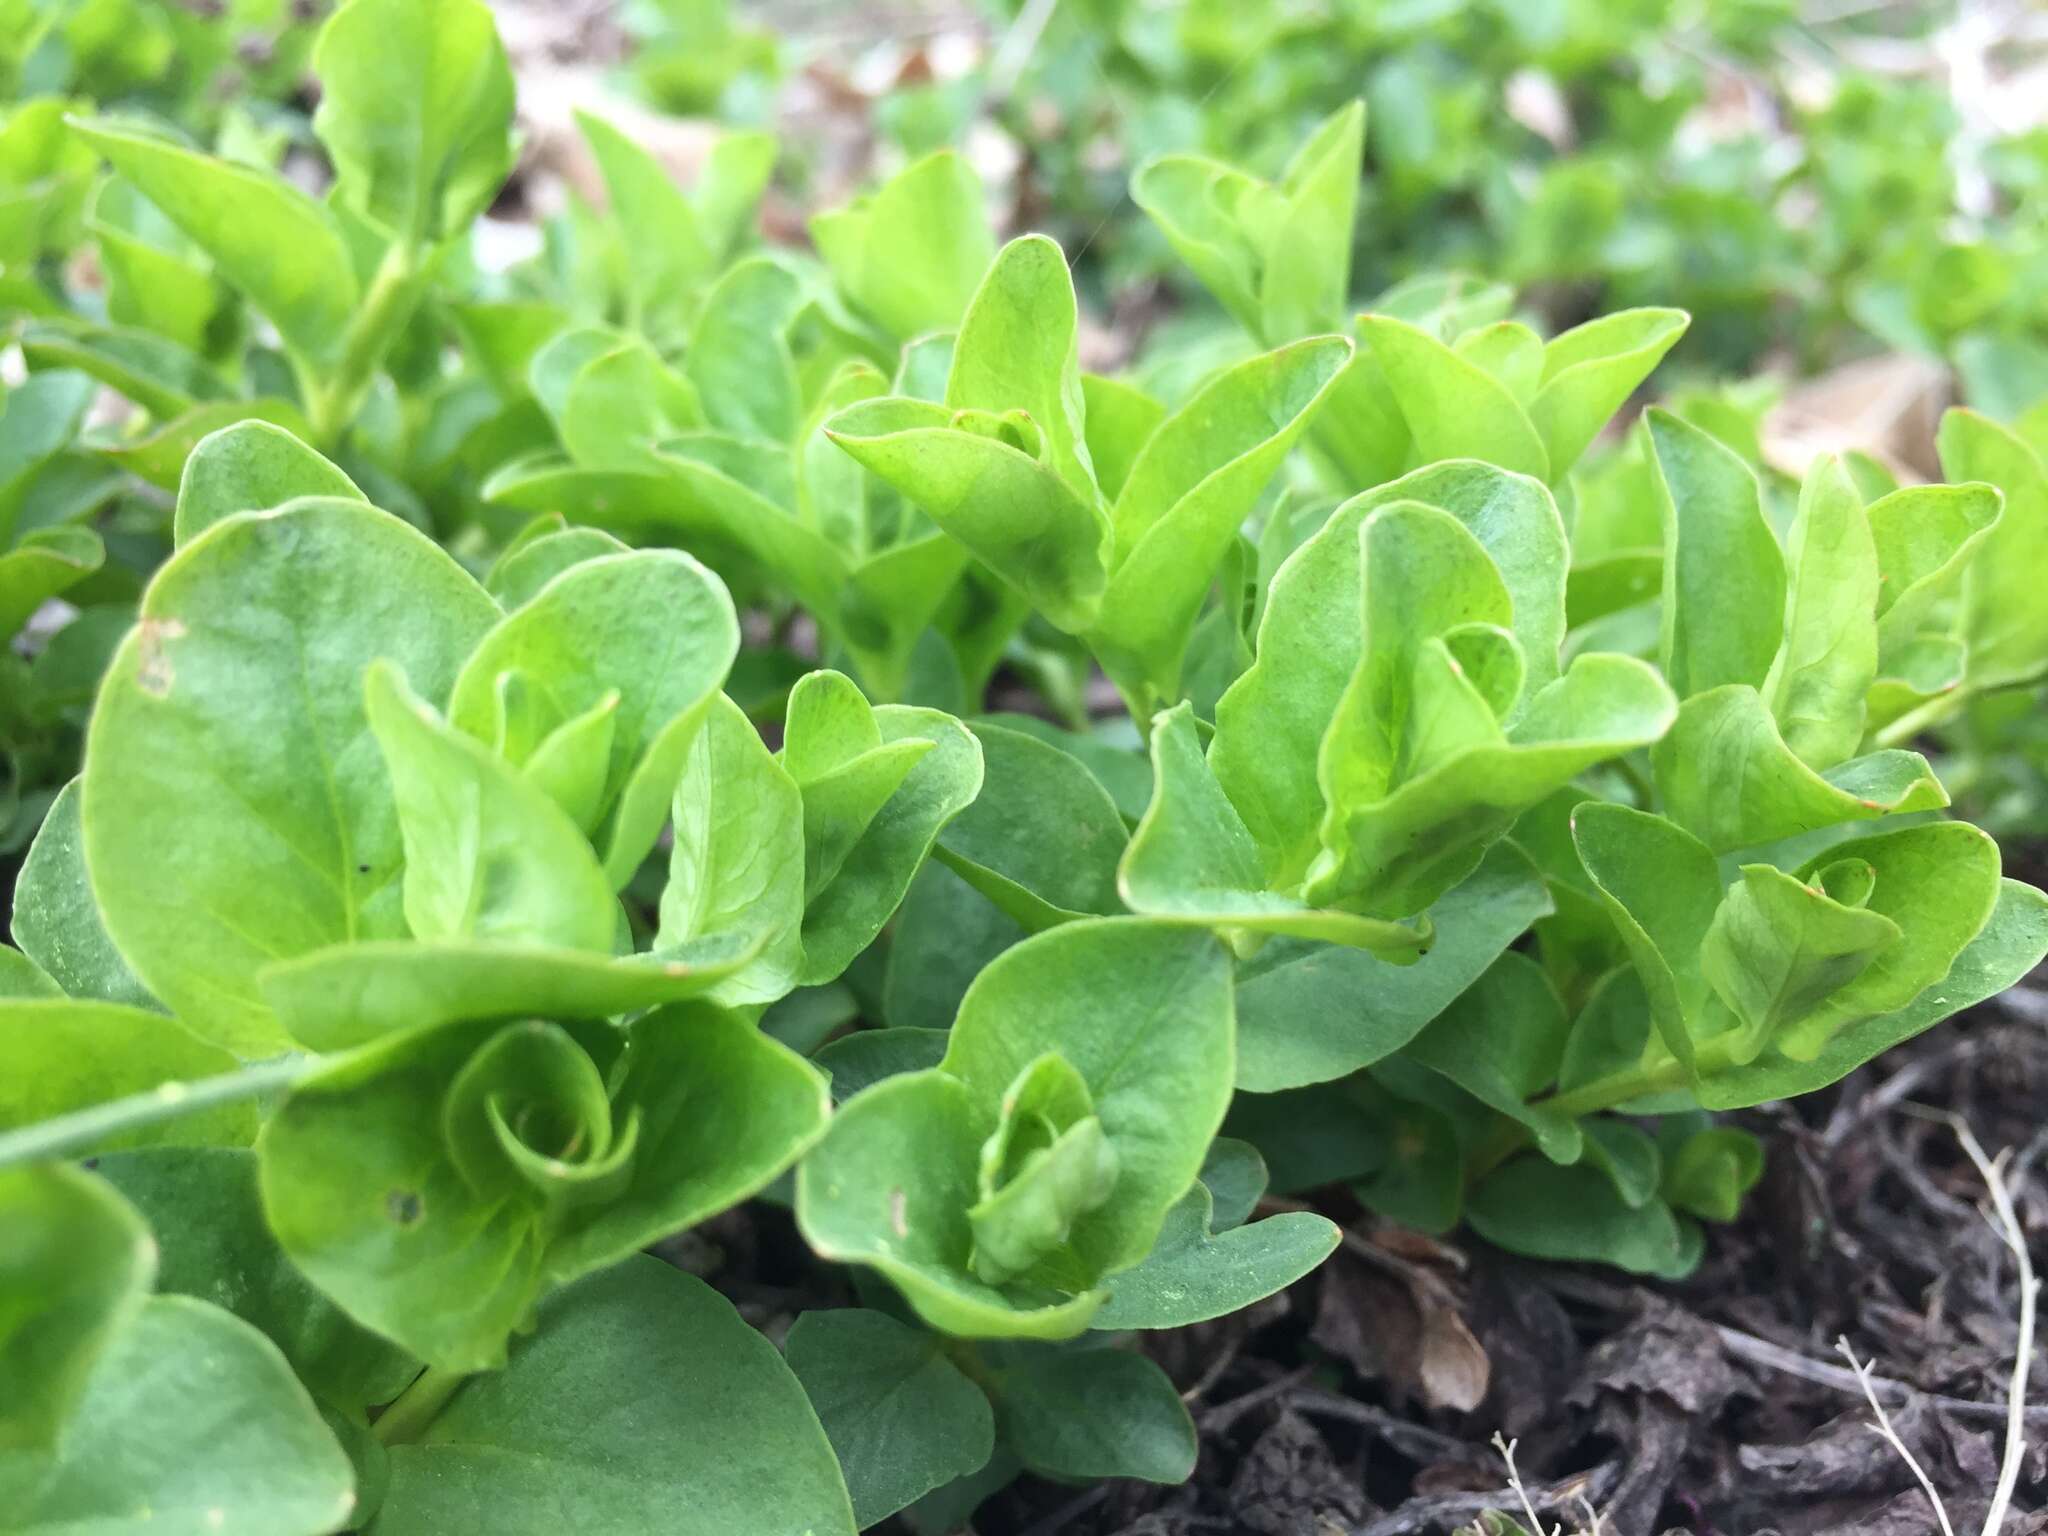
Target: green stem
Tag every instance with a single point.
(409, 1413)
(333, 401)
(85, 1129)
(1659, 1075)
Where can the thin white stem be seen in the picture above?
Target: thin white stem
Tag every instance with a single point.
(1507, 1454)
(2008, 1226)
(1891, 1435)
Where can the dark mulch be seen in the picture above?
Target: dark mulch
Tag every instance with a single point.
(1716, 1405)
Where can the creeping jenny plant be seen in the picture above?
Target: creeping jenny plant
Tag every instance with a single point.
(451, 906)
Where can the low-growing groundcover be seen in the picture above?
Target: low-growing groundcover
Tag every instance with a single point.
(455, 897)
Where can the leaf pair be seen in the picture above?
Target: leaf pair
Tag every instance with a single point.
(1436, 376)
(1405, 705)
(1082, 1081)
(1005, 465)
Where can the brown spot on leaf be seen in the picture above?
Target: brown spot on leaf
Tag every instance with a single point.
(155, 674)
(404, 1207)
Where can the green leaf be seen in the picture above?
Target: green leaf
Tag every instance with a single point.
(1724, 576)
(1779, 947)
(63, 1054)
(895, 1181)
(160, 376)
(2003, 621)
(1661, 886)
(2009, 945)
(57, 923)
(251, 466)
(1190, 489)
(901, 1417)
(1828, 659)
(1008, 508)
(415, 112)
(266, 237)
(1455, 409)
(1590, 371)
(517, 576)
(73, 1275)
(738, 358)
(844, 918)
(662, 242)
(21, 977)
(1711, 1171)
(351, 994)
(1192, 859)
(652, 626)
(833, 748)
(435, 1183)
(488, 856)
(912, 253)
(866, 1056)
(235, 809)
(203, 1205)
(1041, 839)
(1271, 722)
(1094, 1413)
(1016, 351)
(1142, 1011)
(1536, 1208)
(1726, 776)
(1194, 1273)
(641, 1403)
(45, 563)
(738, 861)
(1926, 537)
(39, 419)
(890, 1187)
(1502, 1040)
(1121, 421)
(1396, 855)
(159, 455)
(1312, 1013)
(194, 1416)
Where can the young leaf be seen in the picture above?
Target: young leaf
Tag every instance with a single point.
(1534, 1207)
(350, 994)
(251, 466)
(1726, 776)
(1590, 371)
(415, 112)
(1724, 576)
(913, 252)
(1192, 860)
(1828, 658)
(265, 236)
(1455, 408)
(640, 1403)
(1186, 496)
(738, 861)
(2003, 622)
(652, 626)
(901, 1417)
(488, 856)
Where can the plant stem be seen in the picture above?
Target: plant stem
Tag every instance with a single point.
(409, 1413)
(86, 1128)
(332, 402)
(1640, 1081)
